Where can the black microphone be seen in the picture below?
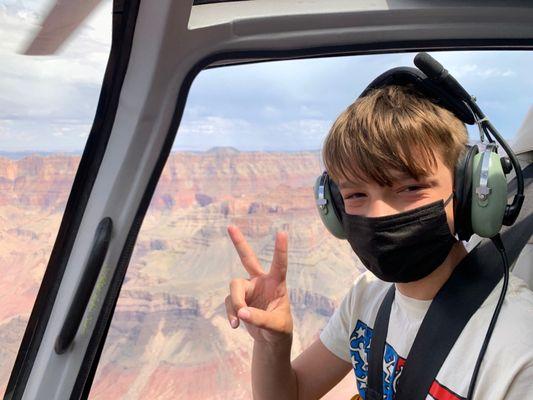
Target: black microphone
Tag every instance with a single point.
(436, 72)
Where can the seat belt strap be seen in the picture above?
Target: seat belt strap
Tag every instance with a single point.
(449, 312)
(374, 389)
(451, 309)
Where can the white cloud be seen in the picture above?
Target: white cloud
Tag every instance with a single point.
(309, 111)
(214, 126)
(463, 70)
(474, 70)
(307, 128)
(49, 102)
(211, 131)
(40, 93)
(269, 111)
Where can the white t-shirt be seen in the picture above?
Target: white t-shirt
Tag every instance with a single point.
(507, 368)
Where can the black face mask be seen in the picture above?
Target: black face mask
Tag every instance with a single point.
(403, 247)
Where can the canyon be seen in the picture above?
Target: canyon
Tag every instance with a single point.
(169, 338)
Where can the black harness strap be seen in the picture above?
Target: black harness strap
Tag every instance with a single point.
(453, 306)
(374, 388)
(459, 298)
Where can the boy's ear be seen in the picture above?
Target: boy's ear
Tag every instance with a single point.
(462, 207)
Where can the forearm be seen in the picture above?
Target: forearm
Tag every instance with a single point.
(272, 373)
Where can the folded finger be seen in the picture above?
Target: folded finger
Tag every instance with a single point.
(238, 290)
(230, 312)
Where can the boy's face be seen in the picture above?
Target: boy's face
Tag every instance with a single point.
(369, 199)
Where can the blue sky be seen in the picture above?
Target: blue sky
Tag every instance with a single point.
(48, 103)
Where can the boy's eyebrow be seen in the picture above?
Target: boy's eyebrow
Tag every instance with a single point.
(397, 176)
(407, 177)
(350, 184)
(402, 176)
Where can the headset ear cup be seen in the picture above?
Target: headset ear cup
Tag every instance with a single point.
(489, 193)
(336, 200)
(328, 210)
(462, 208)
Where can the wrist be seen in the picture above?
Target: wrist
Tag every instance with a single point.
(281, 346)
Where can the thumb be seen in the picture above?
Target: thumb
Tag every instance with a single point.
(259, 318)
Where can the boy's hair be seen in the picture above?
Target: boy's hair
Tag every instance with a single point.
(392, 128)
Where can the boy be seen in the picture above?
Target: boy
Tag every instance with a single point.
(391, 152)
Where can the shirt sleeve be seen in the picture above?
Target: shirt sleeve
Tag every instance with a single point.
(521, 385)
(336, 334)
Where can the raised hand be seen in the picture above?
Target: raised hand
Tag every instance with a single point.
(262, 300)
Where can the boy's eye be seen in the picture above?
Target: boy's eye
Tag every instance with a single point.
(354, 196)
(412, 188)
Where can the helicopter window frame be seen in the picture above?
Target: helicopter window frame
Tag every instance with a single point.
(229, 58)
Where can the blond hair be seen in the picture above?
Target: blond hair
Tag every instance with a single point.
(393, 128)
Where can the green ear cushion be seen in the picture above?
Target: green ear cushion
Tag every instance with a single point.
(327, 212)
(487, 214)
(463, 194)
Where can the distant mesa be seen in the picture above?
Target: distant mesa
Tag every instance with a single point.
(223, 150)
(18, 155)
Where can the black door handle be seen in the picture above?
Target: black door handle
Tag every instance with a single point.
(102, 237)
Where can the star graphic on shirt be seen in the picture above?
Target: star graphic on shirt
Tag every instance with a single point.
(360, 332)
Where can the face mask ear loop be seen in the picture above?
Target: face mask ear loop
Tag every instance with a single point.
(449, 199)
(452, 196)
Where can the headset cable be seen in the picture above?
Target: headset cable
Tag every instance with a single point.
(501, 249)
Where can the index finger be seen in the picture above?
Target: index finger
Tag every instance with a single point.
(279, 261)
(246, 254)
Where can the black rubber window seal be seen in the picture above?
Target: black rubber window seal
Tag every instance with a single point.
(123, 26)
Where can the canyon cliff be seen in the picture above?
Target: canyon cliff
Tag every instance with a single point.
(170, 338)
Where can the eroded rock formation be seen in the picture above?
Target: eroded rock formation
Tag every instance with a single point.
(169, 338)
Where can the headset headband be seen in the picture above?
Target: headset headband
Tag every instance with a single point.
(434, 81)
(409, 76)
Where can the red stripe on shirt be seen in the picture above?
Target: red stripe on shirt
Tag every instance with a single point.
(439, 392)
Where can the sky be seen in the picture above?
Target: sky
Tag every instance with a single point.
(47, 104)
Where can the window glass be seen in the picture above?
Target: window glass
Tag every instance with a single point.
(47, 105)
(247, 153)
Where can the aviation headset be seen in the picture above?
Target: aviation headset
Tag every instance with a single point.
(480, 185)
